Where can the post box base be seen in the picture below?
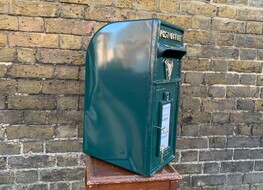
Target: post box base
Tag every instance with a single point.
(104, 176)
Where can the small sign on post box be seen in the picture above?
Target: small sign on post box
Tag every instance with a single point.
(133, 72)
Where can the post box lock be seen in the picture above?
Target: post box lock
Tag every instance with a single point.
(132, 94)
(167, 96)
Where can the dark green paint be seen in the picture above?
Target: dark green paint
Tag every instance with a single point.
(125, 82)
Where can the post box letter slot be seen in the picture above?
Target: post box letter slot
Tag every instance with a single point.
(172, 52)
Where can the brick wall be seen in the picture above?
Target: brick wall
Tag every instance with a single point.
(42, 69)
(220, 143)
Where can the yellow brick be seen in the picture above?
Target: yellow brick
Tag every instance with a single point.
(62, 87)
(35, 117)
(98, 25)
(67, 72)
(183, 21)
(86, 40)
(197, 37)
(71, 11)
(66, 26)
(33, 40)
(2, 70)
(29, 86)
(250, 14)
(31, 102)
(86, 2)
(62, 57)
(194, 51)
(145, 5)
(30, 132)
(225, 39)
(124, 3)
(7, 54)
(81, 103)
(31, 24)
(245, 66)
(26, 55)
(70, 42)
(131, 14)
(258, 105)
(32, 71)
(100, 13)
(195, 64)
(82, 73)
(7, 86)
(33, 8)
(226, 11)
(8, 22)
(3, 39)
(124, 14)
(144, 15)
(220, 1)
(3, 6)
(200, 22)
(67, 102)
(103, 2)
(254, 27)
(168, 6)
(240, 2)
(227, 25)
(198, 8)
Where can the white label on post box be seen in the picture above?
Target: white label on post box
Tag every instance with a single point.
(166, 111)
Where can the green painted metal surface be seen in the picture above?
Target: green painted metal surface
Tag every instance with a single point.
(128, 95)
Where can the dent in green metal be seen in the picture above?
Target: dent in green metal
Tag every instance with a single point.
(125, 82)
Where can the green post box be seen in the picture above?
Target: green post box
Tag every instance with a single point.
(133, 71)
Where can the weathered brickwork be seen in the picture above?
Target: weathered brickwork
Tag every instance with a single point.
(42, 72)
(220, 133)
